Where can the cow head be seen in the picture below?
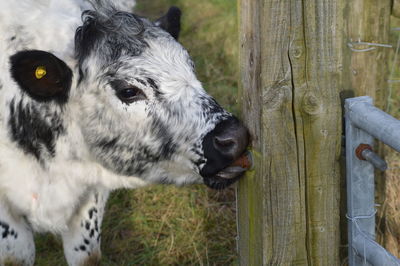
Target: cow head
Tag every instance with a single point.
(134, 101)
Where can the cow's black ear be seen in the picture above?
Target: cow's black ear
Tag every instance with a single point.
(41, 75)
(171, 21)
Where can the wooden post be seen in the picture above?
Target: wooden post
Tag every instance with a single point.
(368, 26)
(396, 8)
(291, 77)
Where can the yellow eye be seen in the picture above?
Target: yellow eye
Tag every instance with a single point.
(40, 72)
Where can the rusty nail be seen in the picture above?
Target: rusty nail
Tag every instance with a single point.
(362, 147)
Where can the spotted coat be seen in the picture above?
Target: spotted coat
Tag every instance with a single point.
(120, 107)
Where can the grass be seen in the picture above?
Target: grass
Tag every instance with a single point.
(161, 225)
(166, 225)
(170, 226)
(391, 208)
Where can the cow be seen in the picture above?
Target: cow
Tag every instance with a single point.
(92, 99)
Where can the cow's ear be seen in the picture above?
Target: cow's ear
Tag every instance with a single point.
(42, 75)
(171, 21)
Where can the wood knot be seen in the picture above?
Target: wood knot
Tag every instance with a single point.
(274, 97)
(311, 104)
(297, 53)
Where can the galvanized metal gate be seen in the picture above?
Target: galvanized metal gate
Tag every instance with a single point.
(364, 122)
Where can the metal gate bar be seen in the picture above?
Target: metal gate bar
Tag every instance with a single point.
(364, 122)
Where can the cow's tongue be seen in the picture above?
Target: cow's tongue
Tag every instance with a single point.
(237, 168)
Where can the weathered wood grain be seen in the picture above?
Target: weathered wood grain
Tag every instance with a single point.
(396, 8)
(369, 21)
(291, 65)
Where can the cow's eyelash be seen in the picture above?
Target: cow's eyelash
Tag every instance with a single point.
(130, 94)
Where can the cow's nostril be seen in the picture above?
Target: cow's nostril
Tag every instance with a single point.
(223, 145)
(223, 142)
(226, 145)
(230, 138)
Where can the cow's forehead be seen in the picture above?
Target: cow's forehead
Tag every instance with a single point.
(168, 56)
(163, 60)
(112, 34)
(130, 45)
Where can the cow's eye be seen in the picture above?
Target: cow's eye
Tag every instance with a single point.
(131, 94)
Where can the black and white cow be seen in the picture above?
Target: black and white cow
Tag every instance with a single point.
(94, 101)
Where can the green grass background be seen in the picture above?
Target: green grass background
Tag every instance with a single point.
(166, 225)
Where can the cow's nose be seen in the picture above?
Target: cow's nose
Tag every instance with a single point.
(231, 139)
(225, 143)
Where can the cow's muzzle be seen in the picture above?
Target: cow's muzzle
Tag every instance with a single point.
(222, 147)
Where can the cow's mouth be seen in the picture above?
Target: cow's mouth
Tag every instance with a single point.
(230, 174)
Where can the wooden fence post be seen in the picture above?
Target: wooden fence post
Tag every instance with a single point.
(368, 26)
(291, 77)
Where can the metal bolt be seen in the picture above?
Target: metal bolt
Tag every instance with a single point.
(364, 152)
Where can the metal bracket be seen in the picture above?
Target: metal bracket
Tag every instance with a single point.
(364, 122)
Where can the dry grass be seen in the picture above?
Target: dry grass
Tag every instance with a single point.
(165, 225)
(170, 226)
(391, 208)
(390, 223)
(392, 205)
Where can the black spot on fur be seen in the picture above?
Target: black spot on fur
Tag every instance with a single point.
(6, 229)
(13, 38)
(155, 87)
(142, 156)
(87, 225)
(91, 211)
(139, 157)
(168, 147)
(86, 241)
(81, 75)
(141, 81)
(82, 247)
(34, 128)
(106, 144)
(152, 83)
(165, 180)
(91, 234)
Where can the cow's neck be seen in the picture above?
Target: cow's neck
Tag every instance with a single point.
(47, 189)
